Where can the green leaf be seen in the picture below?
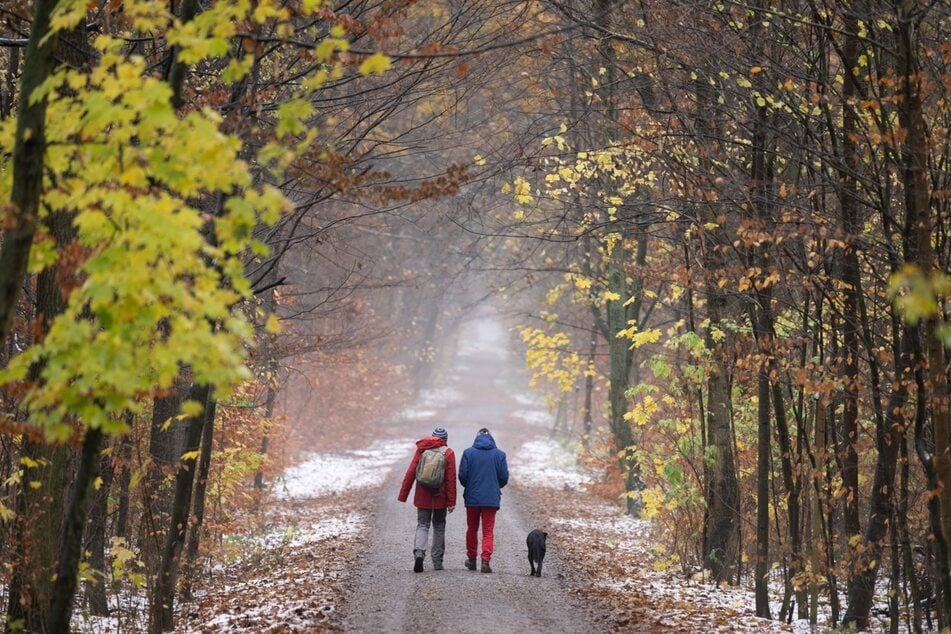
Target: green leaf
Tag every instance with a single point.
(191, 409)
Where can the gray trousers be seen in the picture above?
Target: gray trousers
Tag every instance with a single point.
(425, 517)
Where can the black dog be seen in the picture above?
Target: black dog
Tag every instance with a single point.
(536, 551)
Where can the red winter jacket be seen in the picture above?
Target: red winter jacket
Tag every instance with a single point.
(425, 498)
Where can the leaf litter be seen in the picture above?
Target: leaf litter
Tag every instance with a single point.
(614, 562)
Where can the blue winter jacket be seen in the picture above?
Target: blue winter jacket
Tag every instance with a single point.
(483, 472)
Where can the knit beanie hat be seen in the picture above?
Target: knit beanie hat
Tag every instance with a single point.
(439, 432)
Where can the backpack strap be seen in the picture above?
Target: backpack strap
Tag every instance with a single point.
(443, 449)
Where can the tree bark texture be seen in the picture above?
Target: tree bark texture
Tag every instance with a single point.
(96, 540)
(28, 159)
(849, 273)
(722, 492)
(36, 531)
(198, 497)
(71, 541)
(161, 603)
(761, 565)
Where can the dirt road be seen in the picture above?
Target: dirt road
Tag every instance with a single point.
(482, 389)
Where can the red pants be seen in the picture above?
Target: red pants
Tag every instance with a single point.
(473, 515)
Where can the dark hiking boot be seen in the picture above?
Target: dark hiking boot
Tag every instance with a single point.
(485, 566)
(418, 567)
(437, 565)
(470, 564)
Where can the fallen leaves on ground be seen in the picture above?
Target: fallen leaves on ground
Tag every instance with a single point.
(606, 563)
(291, 577)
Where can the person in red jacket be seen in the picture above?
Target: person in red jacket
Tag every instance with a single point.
(431, 505)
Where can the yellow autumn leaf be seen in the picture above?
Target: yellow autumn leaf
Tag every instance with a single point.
(523, 191)
(377, 63)
(641, 338)
(273, 324)
(191, 409)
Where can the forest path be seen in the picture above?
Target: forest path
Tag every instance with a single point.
(387, 596)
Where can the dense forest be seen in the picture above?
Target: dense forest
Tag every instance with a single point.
(722, 230)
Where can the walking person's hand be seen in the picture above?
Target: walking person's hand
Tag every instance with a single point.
(450, 508)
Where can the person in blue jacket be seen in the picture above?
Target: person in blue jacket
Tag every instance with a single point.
(483, 472)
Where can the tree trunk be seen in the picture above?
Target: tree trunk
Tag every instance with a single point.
(96, 540)
(125, 480)
(913, 597)
(761, 567)
(615, 258)
(887, 442)
(40, 509)
(918, 230)
(36, 531)
(270, 359)
(28, 157)
(918, 250)
(792, 480)
(587, 423)
(849, 273)
(198, 503)
(71, 544)
(722, 493)
(162, 601)
(165, 447)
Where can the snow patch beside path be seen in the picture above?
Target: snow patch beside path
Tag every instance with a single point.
(529, 400)
(534, 417)
(297, 534)
(545, 463)
(328, 527)
(324, 474)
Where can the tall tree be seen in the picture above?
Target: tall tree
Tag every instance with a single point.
(28, 157)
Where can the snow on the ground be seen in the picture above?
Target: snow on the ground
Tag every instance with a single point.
(529, 400)
(416, 413)
(441, 397)
(295, 585)
(546, 463)
(533, 417)
(309, 531)
(129, 610)
(328, 473)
